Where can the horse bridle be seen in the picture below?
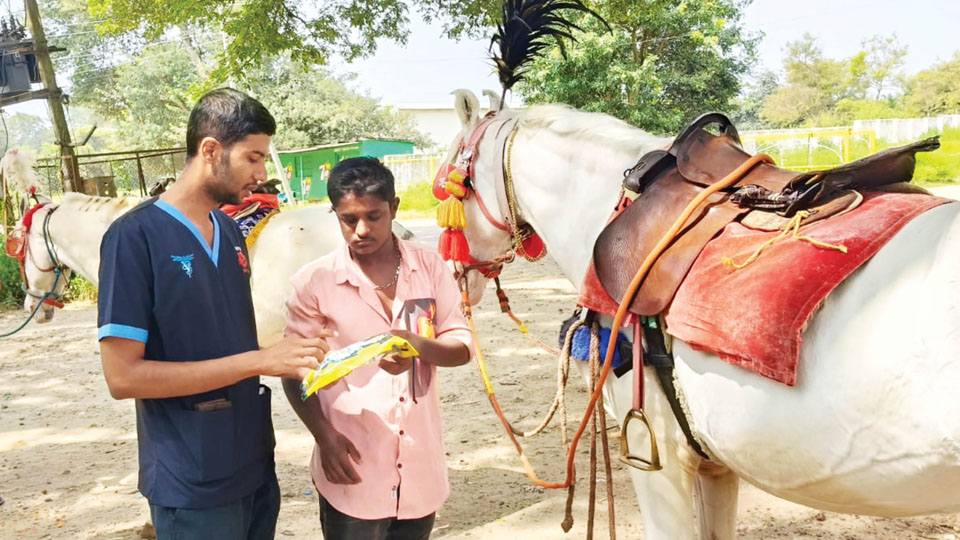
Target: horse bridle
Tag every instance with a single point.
(52, 297)
(491, 268)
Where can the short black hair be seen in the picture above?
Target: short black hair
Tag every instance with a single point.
(361, 176)
(228, 116)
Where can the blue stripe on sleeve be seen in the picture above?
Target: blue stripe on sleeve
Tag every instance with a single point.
(122, 331)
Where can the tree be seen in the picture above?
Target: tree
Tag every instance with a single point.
(145, 86)
(823, 91)
(814, 84)
(26, 131)
(663, 63)
(313, 107)
(936, 90)
(746, 107)
(309, 33)
(884, 59)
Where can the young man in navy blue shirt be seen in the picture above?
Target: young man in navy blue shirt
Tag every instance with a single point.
(177, 333)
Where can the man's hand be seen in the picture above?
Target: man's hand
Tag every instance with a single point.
(395, 364)
(293, 357)
(336, 453)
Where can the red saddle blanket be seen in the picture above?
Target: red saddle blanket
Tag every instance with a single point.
(754, 317)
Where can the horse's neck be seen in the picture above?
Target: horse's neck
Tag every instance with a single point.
(78, 226)
(567, 187)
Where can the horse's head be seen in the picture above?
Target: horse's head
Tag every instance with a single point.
(44, 277)
(489, 240)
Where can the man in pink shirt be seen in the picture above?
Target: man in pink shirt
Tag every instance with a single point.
(379, 462)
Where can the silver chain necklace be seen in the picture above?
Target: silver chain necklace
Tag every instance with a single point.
(396, 273)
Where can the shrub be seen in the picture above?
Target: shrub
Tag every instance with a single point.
(10, 295)
(418, 196)
(80, 289)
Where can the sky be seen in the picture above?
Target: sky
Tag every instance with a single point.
(429, 66)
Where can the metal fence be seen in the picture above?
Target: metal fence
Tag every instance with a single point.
(811, 148)
(116, 173)
(410, 169)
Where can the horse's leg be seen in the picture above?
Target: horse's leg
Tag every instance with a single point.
(717, 489)
(665, 496)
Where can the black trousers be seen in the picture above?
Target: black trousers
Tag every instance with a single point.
(339, 526)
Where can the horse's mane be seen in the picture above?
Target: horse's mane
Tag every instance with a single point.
(19, 168)
(592, 127)
(89, 203)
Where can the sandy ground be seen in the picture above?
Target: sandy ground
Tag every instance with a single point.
(68, 451)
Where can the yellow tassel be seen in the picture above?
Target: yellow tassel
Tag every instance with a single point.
(450, 214)
(456, 175)
(455, 189)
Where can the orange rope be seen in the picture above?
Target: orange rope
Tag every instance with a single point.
(638, 278)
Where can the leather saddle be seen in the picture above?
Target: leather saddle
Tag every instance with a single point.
(667, 180)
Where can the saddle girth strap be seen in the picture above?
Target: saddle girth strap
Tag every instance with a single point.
(658, 358)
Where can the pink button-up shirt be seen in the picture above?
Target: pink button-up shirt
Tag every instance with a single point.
(393, 421)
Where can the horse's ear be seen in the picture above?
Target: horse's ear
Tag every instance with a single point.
(495, 104)
(467, 106)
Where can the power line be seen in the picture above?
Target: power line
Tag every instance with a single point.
(131, 61)
(142, 55)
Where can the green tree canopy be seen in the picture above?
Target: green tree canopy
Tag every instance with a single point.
(936, 90)
(307, 32)
(27, 131)
(824, 91)
(663, 63)
(144, 88)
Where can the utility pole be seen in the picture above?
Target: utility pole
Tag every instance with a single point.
(68, 159)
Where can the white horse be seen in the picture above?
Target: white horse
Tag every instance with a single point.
(873, 423)
(76, 226)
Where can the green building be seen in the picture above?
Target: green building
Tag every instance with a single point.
(309, 167)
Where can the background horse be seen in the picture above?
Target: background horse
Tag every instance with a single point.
(75, 227)
(872, 425)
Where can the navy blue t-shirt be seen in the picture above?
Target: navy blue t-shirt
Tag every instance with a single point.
(162, 285)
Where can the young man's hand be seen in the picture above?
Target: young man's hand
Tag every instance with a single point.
(396, 364)
(293, 357)
(337, 455)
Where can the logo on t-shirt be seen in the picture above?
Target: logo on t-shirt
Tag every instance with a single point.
(242, 260)
(186, 263)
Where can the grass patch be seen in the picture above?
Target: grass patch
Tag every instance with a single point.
(933, 168)
(941, 166)
(418, 197)
(80, 289)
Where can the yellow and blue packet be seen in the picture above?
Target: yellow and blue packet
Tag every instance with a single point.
(340, 363)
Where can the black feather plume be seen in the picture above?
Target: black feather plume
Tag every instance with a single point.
(524, 31)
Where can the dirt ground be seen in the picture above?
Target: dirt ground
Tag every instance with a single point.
(68, 464)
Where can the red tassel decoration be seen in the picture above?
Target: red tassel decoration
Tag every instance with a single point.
(453, 246)
(459, 248)
(443, 246)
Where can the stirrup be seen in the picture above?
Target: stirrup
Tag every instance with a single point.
(637, 462)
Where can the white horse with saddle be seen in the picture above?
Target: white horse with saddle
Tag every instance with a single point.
(869, 423)
(872, 425)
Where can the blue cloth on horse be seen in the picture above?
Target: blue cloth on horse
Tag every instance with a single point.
(247, 224)
(580, 345)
